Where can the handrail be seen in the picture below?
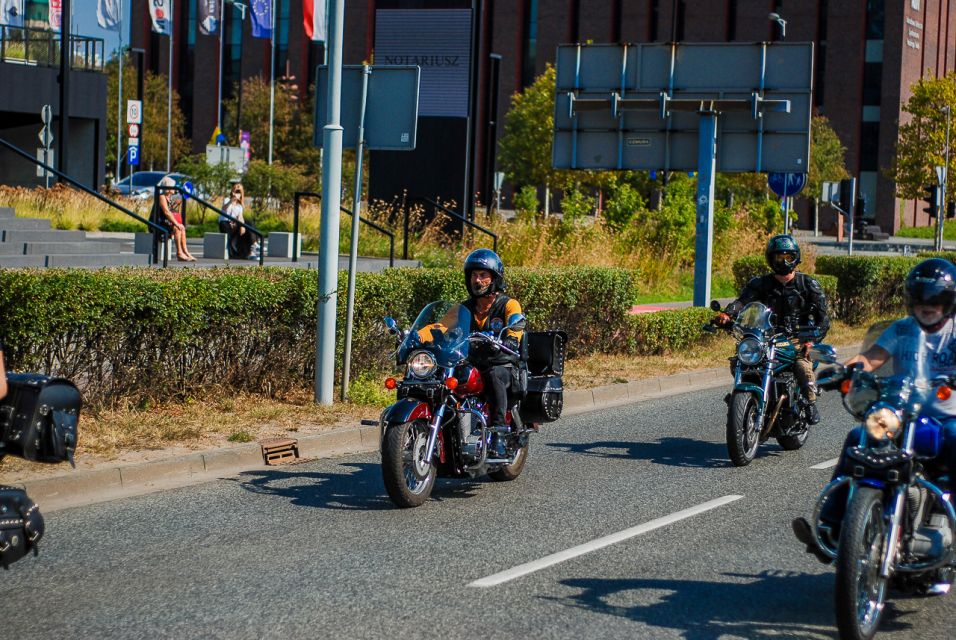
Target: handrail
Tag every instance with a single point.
(453, 214)
(188, 195)
(63, 176)
(16, 44)
(295, 226)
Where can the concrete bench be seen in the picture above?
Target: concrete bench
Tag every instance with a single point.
(216, 246)
(143, 243)
(280, 244)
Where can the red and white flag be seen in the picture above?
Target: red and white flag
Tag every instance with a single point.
(313, 14)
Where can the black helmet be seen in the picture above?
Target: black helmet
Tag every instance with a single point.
(489, 261)
(783, 254)
(932, 281)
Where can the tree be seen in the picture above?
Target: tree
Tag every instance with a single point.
(153, 129)
(922, 140)
(826, 158)
(525, 146)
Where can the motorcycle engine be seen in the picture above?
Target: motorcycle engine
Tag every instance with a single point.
(933, 538)
(473, 438)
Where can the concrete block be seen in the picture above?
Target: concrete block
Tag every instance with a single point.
(280, 244)
(216, 246)
(143, 243)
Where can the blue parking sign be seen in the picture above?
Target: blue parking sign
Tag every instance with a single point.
(134, 156)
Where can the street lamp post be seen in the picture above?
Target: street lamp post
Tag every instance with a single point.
(775, 17)
(941, 212)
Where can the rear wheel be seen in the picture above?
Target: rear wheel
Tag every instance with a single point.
(408, 476)
(511, 471)
(860, 590)
(743, 432)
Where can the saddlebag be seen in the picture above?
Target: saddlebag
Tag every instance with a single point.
(38, 418)
(21, 525)
(545, 395)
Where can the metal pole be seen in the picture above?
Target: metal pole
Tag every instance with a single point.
(941, 211)
(329, 232)
(706, 170)
(169, 94)
(272, 81)
(222, 37)
(786, 212)
(65, 65)
(119, 109)
(353, 245)
(851, 213)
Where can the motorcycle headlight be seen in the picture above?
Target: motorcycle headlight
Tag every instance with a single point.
(422, 364)
(882, 423)
(749, 351)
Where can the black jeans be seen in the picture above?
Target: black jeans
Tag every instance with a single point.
(498, 381)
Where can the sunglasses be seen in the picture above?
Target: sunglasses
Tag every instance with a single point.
(786, 256)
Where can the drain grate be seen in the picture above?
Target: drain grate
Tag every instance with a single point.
(280, 451)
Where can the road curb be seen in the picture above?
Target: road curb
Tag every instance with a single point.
(80, 488)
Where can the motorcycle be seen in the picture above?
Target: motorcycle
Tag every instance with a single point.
(766, 400)
(440, 424)
(898, 525)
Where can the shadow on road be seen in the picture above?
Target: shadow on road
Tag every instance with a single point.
(768, 604)
(675, 452)
(357, 487)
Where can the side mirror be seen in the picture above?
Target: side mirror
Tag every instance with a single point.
(714, 305)
(823, 353)
(393, 327)
(516, 322)
(830, 377)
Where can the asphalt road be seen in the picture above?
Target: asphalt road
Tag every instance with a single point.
(316, 550)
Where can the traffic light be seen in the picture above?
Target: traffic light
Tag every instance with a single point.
(931, 199)
(847, 192)
(951, 209)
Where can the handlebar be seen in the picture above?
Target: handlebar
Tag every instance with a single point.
(497, 343)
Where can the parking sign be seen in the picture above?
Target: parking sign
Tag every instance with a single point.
(133, 156)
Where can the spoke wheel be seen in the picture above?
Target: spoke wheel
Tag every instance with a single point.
(408, 476)
(743, 432)
(860, 590)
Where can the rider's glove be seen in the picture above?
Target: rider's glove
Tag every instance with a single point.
(722, 319)
(511, 343)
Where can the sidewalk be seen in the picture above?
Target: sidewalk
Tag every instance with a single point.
(111, 480)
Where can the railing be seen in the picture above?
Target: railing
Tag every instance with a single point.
(456, 216)
(155, 227)
(191, 196)
(295, 226)
(42, 48)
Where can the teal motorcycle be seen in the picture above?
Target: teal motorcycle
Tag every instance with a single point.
(766, 401)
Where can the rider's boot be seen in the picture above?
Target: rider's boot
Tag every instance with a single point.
(814, 413)
(804, 533)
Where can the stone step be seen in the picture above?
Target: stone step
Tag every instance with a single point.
(7, 212)
(19, 262)
(24, 223)
(98, 261)
(51, 235)
(82, 248)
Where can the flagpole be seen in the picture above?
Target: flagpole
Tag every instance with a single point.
(169, 94)
(272, 78)
(222, 36)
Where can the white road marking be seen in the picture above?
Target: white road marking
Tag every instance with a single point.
(826, 465)
(600, 543)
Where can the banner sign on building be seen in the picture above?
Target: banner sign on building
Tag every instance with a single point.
(56, 14)
(439, 42)
(209, 17)
(109, 14)
(313, 17)
(11, 13)
(161, 12)
(261, 18)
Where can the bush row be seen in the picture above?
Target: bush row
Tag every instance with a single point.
(140, 334)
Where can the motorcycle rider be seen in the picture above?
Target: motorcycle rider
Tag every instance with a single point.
(931, 302)
(795, 298)
(491, 311)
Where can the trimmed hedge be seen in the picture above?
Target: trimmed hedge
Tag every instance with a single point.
(665, 331)
(867, 285)
(142, 334)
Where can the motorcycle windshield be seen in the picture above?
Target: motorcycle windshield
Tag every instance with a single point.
(754, 319)
(442, 329)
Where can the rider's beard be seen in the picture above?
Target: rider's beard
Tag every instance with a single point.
(479, 291)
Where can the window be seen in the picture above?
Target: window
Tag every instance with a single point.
(529, 56)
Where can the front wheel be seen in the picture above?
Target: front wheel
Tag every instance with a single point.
(743, 432)
(511, 471)
(408, 476)
(860, 590)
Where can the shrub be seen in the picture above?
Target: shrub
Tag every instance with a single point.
(665, 331)
(867, 285)
(526, 200)
(624, 203)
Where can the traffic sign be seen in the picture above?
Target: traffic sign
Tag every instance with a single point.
(46, 136)
(133, 153)
(134, 130)
(46, 114)
(134, 111)
(133, 142)
(46, 157)
(786, 184)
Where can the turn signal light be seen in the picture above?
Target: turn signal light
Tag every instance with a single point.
(943, 393)
(391, 384)
(451, 383)
(845, 387)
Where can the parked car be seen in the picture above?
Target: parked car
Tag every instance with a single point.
(144, 183)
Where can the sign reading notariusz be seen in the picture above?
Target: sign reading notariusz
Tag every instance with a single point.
(439, 42)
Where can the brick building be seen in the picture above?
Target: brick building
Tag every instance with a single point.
(867, 55)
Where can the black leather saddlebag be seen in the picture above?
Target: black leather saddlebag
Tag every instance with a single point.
(38, 418)
(21, 525)
(544, 400)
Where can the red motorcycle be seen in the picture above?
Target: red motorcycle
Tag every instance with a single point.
(440, 424)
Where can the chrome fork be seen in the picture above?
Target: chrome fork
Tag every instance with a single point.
(433, 433)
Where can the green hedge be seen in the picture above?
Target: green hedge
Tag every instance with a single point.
(141, 334)
(867, 285)
(665, 331)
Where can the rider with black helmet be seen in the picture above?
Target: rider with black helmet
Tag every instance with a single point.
(927, 335)
(491, 310)
(796, 300)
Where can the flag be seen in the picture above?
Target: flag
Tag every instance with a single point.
(261, 18)
(209, 17)
(109, 14)
(161, 12)
(56, 13)
(11, 13)
(313, 14)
